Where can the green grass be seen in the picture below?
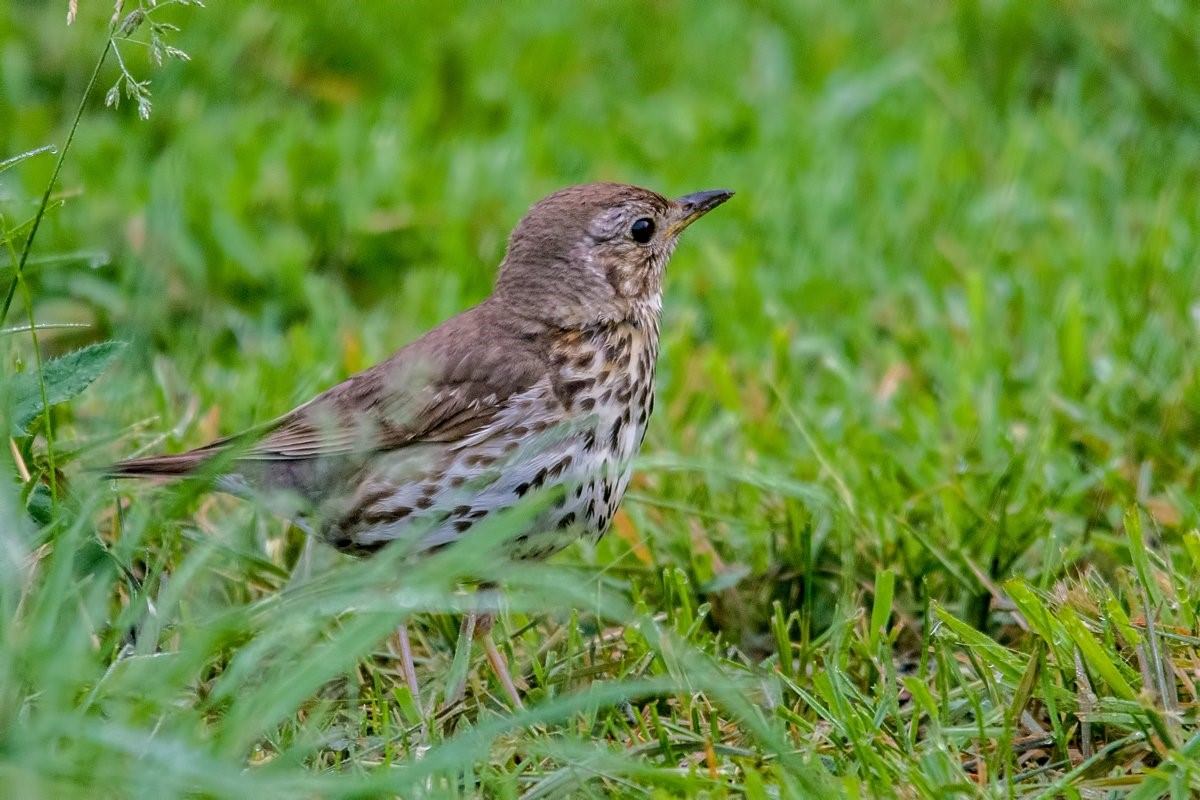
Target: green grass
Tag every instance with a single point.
(916, 516)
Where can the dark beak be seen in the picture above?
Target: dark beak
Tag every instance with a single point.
(693, 206)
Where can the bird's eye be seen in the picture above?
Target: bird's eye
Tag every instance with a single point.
(642, 230)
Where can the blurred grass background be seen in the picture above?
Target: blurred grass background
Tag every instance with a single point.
(944, 335)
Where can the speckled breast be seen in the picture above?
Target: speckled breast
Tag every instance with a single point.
(608, 381)
(575, 433)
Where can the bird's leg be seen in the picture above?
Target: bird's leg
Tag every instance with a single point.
(483, 630)
(407, 667)
(477, 625)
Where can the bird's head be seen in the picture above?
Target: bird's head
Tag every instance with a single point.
(596, 252)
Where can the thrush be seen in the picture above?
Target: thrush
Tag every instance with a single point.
(546, 384)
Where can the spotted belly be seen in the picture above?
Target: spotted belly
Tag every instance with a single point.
(435, 496)
(573, 436)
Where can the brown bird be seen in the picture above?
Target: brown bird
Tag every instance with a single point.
(548, 383)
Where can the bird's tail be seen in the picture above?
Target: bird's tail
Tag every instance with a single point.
(225, 450)
(173, 466)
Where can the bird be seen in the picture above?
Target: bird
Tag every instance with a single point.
(547, 384)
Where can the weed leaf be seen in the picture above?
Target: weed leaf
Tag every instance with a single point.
(66, 377)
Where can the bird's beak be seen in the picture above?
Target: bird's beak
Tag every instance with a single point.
(692, 207)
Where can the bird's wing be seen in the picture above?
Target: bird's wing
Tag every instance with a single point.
(441, 388)
(362, 416)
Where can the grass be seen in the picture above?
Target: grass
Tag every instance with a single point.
(916, 517)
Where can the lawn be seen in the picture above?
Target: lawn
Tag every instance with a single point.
(916, 516)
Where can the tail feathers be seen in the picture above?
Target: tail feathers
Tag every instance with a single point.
(173, 466)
